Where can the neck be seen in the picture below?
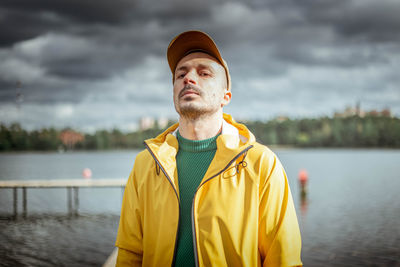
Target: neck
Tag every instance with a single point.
(201, 128)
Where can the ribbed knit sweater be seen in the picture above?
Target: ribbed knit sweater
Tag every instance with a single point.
(192, 160)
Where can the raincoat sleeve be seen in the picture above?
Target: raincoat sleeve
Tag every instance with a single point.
(279, 235)
(130, 234)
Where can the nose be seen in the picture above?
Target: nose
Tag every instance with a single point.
(190, 77)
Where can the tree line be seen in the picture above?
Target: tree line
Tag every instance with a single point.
(354, 131)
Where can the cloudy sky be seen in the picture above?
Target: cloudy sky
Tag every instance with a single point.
(102, 64)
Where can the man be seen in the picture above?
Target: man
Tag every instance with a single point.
(204, 192)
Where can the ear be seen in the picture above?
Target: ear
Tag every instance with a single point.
(227, 97)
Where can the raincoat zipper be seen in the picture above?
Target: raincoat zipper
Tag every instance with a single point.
(177, 196)
(196, 256)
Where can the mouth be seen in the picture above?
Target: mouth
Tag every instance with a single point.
(188, 92)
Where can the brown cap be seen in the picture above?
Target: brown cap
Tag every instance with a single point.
(194, 41)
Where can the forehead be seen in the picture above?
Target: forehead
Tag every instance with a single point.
(198, 58)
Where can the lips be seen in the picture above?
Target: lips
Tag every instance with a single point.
(189, 92)
(189, 89)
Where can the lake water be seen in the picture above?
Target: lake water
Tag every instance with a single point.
(350, 217)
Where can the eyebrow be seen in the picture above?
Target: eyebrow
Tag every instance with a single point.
(199, 66)
(182, 68)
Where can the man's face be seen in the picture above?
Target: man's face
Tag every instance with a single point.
(200, 86)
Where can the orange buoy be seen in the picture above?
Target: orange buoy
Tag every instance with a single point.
(87, 173)
(303, 177)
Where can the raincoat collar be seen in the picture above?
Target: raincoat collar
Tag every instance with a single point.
(227, 129)
(235, 138)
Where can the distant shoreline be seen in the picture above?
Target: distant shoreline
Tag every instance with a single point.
(382, 132)
(111, 150)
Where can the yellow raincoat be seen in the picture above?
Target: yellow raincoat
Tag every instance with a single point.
(242, 211)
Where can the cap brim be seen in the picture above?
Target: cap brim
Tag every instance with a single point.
(189, 41)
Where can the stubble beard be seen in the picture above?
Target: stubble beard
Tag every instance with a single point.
(193, 110)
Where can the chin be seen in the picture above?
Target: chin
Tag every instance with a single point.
(191, 111)
(189, 108)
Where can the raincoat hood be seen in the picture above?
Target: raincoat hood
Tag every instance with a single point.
(233, 135)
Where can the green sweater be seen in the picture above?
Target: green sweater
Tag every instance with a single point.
(192, 160)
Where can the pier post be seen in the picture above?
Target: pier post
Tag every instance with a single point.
(15, 202)
(76, 198)
(69, 193)
(24, 201)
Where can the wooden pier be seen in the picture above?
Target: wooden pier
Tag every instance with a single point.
(72, 185)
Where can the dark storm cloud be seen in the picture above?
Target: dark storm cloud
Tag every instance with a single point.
(101, 11)
(18, 25)
(7, 95)
(23, 19)
(375, 21)
(314, 53)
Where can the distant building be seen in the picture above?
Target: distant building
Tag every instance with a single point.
(281, 118)
(350, 111)
(69, 138)
(146, 123)
(149, 122)
(162, 122)
(383, 113)
(386, 113)
(357, 111)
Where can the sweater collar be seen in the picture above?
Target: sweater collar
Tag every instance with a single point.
(197, 145)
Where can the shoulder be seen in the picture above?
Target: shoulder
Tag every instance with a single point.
(143, 161)
(143, 167)
(262, 154)
(143, 164)
(264, 161)
(261, 149)
(143, 155)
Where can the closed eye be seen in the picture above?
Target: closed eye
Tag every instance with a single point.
(205, 73)
(180, 75)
